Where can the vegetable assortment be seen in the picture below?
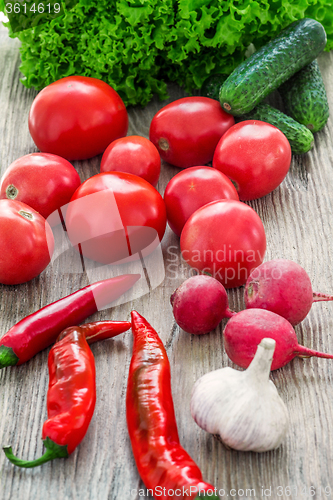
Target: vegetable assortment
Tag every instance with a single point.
(118, 215)
(137, 47)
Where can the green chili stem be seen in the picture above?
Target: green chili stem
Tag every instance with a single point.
(53, 450)
(7, 357)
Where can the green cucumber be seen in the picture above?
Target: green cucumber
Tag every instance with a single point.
(304, 97)
(300, 138)
(273, 64)
(211, 86)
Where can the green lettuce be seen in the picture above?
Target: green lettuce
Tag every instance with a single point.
(117, 42)
(138, 45)
(212, 36)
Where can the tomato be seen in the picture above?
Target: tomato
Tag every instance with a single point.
(255, 155)
(26, 243)
(192, 188)
(43, 181)
(115, 215)
(77, 117)
(133, 154)
(187, 130)
(225, 239)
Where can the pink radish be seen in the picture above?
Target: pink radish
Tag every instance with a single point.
(246, 329)
(199, 304)
(284, 287)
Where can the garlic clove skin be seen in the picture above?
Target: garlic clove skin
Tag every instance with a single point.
(242, 407)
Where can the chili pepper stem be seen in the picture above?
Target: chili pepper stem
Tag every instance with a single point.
(53, 450)
(7, 357)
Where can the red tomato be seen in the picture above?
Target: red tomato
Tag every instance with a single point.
(187, 131)
(43, 181)
(77, 117)
(255, 155)
(225, 239)
(26, 243)
(133, 154)
(114, 215)
(193, 188)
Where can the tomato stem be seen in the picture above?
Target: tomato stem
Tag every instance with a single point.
(11, 192)
(26, 215)
(163, 144)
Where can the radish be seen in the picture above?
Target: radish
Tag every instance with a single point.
(246, 329)
(283, 287)
(199, 304)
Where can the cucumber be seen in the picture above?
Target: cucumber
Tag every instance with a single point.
(273, 64)
(300, 138)
(304, 97)
(211, 86)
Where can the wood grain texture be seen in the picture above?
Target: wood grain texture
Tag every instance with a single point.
(299, 225)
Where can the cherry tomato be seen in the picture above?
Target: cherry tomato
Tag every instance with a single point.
(192, 188)
(225, 239)
(43, 181)
(116, 215)
(187, 130)
(26, 243)
(255, 155)
(133, 154)
(77, 117)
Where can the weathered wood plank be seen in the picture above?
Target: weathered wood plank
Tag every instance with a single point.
(299, 225)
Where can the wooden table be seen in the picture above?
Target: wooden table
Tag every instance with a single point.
(298, 219)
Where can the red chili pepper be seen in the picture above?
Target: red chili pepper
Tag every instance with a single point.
(100, 330)
(164, 466)
(71, 395)
(40, 329)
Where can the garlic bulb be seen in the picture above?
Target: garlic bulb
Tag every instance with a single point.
(242, 407)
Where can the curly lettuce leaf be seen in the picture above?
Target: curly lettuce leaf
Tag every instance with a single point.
(212, 36)
(138, 45)
(117, 42)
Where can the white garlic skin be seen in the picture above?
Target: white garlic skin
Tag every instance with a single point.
(242, 407)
